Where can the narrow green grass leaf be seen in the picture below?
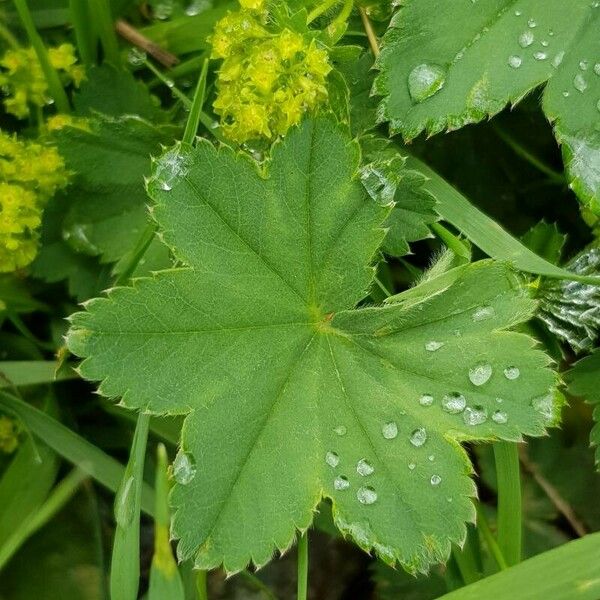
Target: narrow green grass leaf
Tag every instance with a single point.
(32, 372)
(485, 233)
(570, 572)
(77, 450)
(125, 565)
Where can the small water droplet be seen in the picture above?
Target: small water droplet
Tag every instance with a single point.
(579, 83)
(389, 430)
(454, 402)
(598, 105)
(431, 458)
(531, 23)
(411, 466)
(515, 61)
(475, 415)
(480, 373)
(435, 480)
(597, 68)
(418, 437)
(449, 499)
(426, 400)
(540, 55)
(425, 80)
(526, 39)
(366, 495)
(432, 346)
(512, 373)
(136, 57)
(332, 459)
(499, 400)
(545, 43)
(341, 483)
(341, 430)
(500, 417)
(558, 59)
(545, 406)
(483, 313)
(566, 94)
(550, 32)
(518, 13)
(584, 64)
(364, 467)
(184, 468)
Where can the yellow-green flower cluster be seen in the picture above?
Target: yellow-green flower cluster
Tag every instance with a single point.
(267, 80)
(23, 81)
(30, 173)
(9, 435)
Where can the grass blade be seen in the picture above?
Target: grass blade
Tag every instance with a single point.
(32, 372)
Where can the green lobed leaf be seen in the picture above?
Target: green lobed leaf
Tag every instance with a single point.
(583, 381)
(291, 394)
(434, 77)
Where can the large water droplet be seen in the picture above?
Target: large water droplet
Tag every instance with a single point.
(432, 346)
(425, 80)
(426, 400)
(526, 39)
(512, 373)
(545, 406)
(579, 83)
(483, 313)
(341, 482)
(454, 402)
(332, 459)
(136, 57)
(418, 437)
(389, 430)
(558, 59)
(500, 417)
(515, 61)
(340, 430)
(184, 468)
(539, 55)
(435, 480)
(366, 495)
(597, 68)
(480, 373)
(364, 467)
(475, 415)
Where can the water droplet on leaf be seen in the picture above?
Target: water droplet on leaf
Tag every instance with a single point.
(526, 39)
(480, 373)
(332, 459)
(500, 417)
(418, 437)
(366, 495)
(579, 83)
(475, 415)
(531, 23)
(540, 55)
(558, 59)
(389, 430)
(454, 402)
(545, 406)
(432, 346)
(184, 468)
(512, 373)
(436, 480)
(341, 482)
(426, 400)
(364, 467)
(340, 430)
(515, 61)
(483, 313)
(425, 80)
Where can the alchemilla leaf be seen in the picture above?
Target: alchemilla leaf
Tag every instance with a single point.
(434, 77)
(291, 393)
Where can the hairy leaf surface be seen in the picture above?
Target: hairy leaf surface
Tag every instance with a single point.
(435, 77)
(291, 393)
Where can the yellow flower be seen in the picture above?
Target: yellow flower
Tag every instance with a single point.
(56, 122)
(252, 4)
(9, 435)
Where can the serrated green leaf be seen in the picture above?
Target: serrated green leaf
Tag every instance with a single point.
(546, 241)
(435, 77)
(583, 380)
(291, 394)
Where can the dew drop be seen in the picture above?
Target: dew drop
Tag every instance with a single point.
(341, 482)
(566, 94)
(531, 23)
(341, 430)
(515, 61)
(454, 402)
(557, 60)
(580, 83)
(540, 55)
(499, 400)
(500, 417)
(426, 400)
(136, 57)
(364, 467)
(512, 373)
(480, 373)
(518, 13)
(526, 39)
(332, 459)
(550, 32)
(598, 105)
(425, 80)
(431, 458)
(483, 313)
(544, 405)
(432, 346)
(435, 480)
(584, 64)
(545, 43)
(597, 68)
(389, 430)
(418, 437)
(184, 468)
(366, 495)
(411, 466)
(475, 415)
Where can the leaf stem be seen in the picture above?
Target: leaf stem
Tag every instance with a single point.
(258, 584)
(453, 242)
(509, 501)
(8, 37)
(371, 36)
(319, 10)
(84, 33)
(52, 79)
(302, 566)
(101, 13)
(191, 126)
(467, 566)
(484, 528)
(143, 243)
(201, 588)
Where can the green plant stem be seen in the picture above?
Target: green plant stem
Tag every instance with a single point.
(509, 501)
(102, 17)
(84, 34)
(452, 242)
(302, 566)
(138, 252)
(201, 588)
(319, 10)
(484, 528)
(343, 15)
(465, 561)
(258, 584)
(371, 35)
(20, 326)
(52, 79)
(521, 151)
(8, 37)
(57, 499)
(125, 565)
(191, 126)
